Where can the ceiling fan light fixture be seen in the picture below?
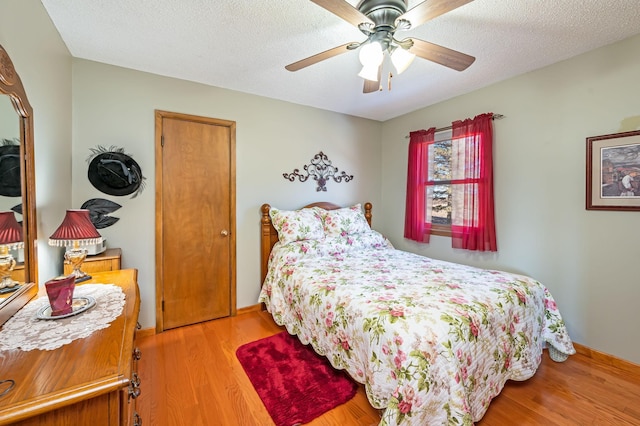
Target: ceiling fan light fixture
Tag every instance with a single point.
(401, 59)
(371, 54)
(369, 72)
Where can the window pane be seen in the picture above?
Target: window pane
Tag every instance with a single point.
(438, 202)
(441, 207)
(461, 192)
(440, 161)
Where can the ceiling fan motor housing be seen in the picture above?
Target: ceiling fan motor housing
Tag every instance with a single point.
(383, 12)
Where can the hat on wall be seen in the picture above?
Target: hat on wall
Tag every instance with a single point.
(99, 210)
(10, 179)
(115, 173)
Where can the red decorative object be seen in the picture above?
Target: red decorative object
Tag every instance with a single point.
(415, 225)
(10, 229)
(295, 384)
(477, 230)
(76, 226)
(60, 293)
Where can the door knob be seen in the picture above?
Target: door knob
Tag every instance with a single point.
(224, 233)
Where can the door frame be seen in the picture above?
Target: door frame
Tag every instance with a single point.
(159, 116)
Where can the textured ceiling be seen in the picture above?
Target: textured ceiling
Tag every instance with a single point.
(244, 45)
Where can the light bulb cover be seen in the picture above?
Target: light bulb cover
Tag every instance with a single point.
(401, 59)
(369, 72)
(371, 54)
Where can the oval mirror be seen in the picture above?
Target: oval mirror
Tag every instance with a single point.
(17, 191)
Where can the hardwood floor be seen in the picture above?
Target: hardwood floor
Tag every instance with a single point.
(190, 376)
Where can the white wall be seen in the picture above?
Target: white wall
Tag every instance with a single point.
(44, 65)
(588, 259)
(115, 106)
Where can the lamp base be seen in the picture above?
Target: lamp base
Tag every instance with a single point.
(83, 278)
(7, 263)
(75, 257)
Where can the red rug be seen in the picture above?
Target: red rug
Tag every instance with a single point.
(295, 384)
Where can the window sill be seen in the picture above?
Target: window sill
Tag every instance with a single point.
(441, 230)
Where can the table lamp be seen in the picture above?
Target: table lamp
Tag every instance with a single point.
(76, 230)
(10, 238)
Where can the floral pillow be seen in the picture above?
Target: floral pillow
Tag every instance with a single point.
(297, 225)
(345, 221)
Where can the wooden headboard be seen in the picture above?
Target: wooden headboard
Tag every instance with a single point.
(269, 235)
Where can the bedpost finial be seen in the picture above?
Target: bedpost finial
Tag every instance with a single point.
(367, 212)
(265, 213)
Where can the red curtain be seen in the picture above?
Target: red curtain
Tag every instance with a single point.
(415, 227)
(473, 224)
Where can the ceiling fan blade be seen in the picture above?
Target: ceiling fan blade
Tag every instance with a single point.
(430, 9)
(344, 10)
(372, 86)
(318, 57)
(441, 55)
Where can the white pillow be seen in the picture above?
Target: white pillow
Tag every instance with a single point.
(297, 225)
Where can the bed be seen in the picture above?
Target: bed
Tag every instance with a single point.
(432, 342)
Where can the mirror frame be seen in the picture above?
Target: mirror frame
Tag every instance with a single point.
(11, 85)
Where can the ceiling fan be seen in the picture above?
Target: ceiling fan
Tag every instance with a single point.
(379, 20)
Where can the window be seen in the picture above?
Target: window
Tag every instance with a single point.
(450, 185)
(438, 187)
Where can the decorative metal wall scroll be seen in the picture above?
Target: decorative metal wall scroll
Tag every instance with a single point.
(321, 170)
(99, 210)
(115, 173)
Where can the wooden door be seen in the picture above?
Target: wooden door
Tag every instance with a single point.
(195, 219)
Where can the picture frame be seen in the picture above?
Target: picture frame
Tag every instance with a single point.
(613, 172)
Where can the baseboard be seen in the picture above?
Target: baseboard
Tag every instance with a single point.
(607, 359)
(145, 332)
(247, 309)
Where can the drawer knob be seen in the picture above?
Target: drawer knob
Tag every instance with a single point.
(135, 380)
(134, 392)
(134, 386)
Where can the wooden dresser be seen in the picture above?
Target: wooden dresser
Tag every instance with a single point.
(90, 381)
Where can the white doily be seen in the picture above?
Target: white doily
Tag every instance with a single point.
(26, 332)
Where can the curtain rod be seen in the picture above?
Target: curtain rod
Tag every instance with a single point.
(442, 129)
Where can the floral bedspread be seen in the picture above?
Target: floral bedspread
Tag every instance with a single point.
(432, 341)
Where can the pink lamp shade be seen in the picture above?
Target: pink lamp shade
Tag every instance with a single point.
(76, 227)
(10, 230)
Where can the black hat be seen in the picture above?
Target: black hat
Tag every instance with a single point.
(99, 210)
(10, 182)
(114, 172)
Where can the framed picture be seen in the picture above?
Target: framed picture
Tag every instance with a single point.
(613, 172)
